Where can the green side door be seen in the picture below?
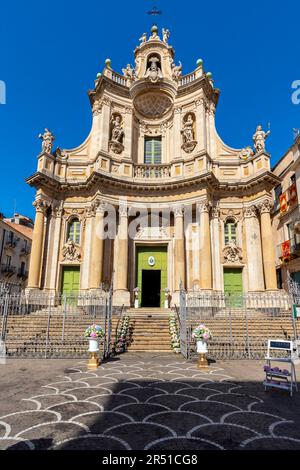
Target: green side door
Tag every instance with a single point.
(233, 284)
(70, 280)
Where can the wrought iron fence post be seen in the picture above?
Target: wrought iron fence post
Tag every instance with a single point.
(64, 317)
(247, 330)
(48, 328)
(5, 316)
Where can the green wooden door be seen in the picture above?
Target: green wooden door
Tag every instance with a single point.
(233, 284)
(70, 280)
(152, 258)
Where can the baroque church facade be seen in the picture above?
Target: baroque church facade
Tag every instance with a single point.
(153, 198)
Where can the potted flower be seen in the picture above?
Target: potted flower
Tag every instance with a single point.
(202, 335)
(136, 291)
(94, 333)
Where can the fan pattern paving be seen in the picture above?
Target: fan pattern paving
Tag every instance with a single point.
(146, 403)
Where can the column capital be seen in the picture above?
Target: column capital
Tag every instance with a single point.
(123, 209)
(250, 211)
(58, 209)
(265, 206)
(178, 211)
(215, 211)
(41, 205)
(204, 206)
(100, 207)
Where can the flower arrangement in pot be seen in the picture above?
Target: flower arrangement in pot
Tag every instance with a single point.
(202, 335)
(136, 291)
(94, 333)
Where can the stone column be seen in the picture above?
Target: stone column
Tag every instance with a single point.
(179, 248)
(215, 250)
(53, 263)
(267, 245)
(37, 246)
(201, 124)
(105, 124)
(176, 133)
(97, 248)
(128, 133)
(205, 247)
(122, 295)
(253, 247)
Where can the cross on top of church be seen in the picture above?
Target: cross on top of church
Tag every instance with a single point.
(154, 12)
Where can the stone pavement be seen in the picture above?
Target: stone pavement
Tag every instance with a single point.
(145, 401)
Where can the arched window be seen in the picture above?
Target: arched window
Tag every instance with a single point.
(74, 230)
(230, 231)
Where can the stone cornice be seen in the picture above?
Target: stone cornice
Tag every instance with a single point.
(169, 185)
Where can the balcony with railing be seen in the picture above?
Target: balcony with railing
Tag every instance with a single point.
(11, 242)
(25, 250)
(289, 249)
(22, 273)
(8, 270)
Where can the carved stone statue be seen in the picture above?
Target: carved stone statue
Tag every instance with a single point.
(188, 135)
(47, 141)
(70, 252)
(188, 130)
(246, 153)
(143, 38)
(176, 71)
(129, 72)
(232, 253)
(259, 139)
(166, 35)
(153, 72)
(117, 132)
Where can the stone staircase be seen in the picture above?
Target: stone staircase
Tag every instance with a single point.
(149, 330)
(27, 334)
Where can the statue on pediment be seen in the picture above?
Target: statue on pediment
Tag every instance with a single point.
(176, 70)
(129, 72)
(259, 139)
(165, 35)
(47, 141)
(143, 38)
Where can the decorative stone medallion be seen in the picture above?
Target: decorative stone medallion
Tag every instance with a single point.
(151, 261)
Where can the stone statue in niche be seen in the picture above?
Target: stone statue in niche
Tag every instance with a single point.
(117, 134)
(188, 135)
(70, 252)
(153, 72)
(188, 131)
(47, 141)
(259, 139)
(176, 70)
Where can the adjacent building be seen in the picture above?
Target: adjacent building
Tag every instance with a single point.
(153, 198)
(15, 247)
(286, 215)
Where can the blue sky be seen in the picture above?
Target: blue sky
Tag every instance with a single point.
(51, 52)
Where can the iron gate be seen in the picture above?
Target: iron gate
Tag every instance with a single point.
(49, 326)
(240, 324)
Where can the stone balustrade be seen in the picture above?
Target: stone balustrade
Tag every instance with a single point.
(186, 79)
(152, 171)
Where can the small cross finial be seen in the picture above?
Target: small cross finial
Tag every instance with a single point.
(154, 12)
